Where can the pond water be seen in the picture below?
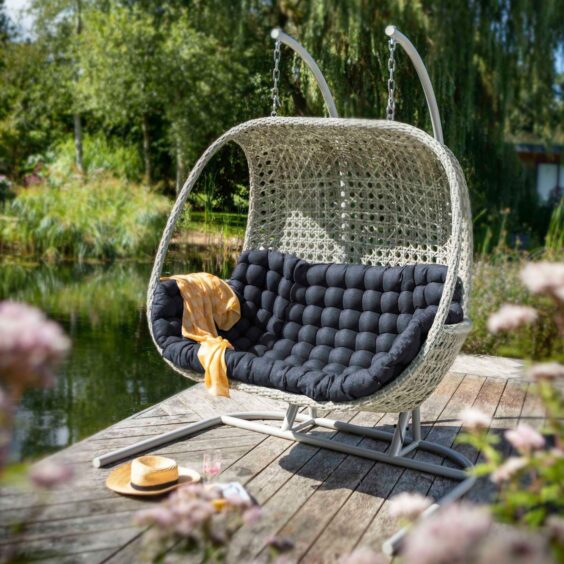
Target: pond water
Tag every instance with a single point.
(114, 369)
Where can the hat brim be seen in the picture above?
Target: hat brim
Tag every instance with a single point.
(119, 481)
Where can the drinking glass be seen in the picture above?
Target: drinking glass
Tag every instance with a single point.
(212, 465)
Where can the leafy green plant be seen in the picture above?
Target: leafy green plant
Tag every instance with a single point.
(496, 280)
(554, 242)
(101, 156)
(105, 218)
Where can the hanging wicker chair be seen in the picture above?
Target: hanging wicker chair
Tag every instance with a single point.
(349, 215)
(343, 191)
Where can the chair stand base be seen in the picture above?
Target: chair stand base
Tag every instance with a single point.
(295, 427)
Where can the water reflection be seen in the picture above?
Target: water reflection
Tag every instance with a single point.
(113, 370)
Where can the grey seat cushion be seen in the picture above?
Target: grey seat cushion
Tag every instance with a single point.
(332, 332)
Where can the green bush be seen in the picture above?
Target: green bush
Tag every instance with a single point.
(554, 242)
(105, 218)
(101, 156)
(496, 281)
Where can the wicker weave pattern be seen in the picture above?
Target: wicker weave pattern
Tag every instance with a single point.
(371, 192)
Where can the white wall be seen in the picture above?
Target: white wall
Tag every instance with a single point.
(547, 175)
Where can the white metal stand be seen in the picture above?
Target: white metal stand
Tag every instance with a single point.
(296, 426)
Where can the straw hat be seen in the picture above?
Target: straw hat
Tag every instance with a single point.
(150, 475)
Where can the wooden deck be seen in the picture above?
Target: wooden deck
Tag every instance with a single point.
(325, 502)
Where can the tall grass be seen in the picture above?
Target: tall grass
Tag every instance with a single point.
(496, 281)
(554, 241)
(106, 218)
(101, 156)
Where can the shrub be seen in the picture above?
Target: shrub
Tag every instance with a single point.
(101, 156)
(496, 281)
(106, 218)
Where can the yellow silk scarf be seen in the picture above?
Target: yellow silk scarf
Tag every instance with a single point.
(209, 304)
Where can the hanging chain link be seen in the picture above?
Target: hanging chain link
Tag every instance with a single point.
(391, 107)
(276, 80)
(297, 69)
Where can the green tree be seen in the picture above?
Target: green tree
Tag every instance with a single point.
(58, 25)
(29, 106)
(122, 66)
(198, 86)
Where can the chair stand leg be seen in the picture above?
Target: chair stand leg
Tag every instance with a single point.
(290, 417)
(399, 434)
(299, 433)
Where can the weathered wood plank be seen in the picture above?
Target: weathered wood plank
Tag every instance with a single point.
(487, 401)
(533, 412)
(75, 544)
(506, 416)
(282, 488)
(89, 482)
(327, 502)
(309, 522)
(75, 525)
(443, 431)
(344, 531)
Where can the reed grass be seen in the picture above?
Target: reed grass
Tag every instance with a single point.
(103, 219)
(495, 282)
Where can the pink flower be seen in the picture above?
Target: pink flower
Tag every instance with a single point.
(252, 516)
(555, 526)
(409, 505)
(447, 535)
(239, 503)
(545, 278)
(508, 469)
(474, 419)
(159, 516)
(547, 371)
(510, 317)
(47, 475)
(363, 555)
(510, 545)
(31, 346)
(524, 438)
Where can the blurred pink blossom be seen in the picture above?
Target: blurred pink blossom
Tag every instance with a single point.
(510, 317)
(514, 546)
(508, 469)
(474, 419)
(447, 535)
(547, 371)
(409, 505)
(252, 515)
(545, 278)
(50, 474)
(524, 438)
(31, 346)
(555, 525)
(363, 555)
(159, 516)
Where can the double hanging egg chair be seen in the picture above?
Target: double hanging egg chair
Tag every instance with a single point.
(353, 282)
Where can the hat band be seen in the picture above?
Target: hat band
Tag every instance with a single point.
(153, 488)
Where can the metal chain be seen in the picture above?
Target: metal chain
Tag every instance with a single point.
(391, 107)
(276, 80)
(297, 68)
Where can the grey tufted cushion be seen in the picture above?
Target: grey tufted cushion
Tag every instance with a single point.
(333, 332)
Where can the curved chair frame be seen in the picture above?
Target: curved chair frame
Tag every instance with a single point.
(405, 394)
